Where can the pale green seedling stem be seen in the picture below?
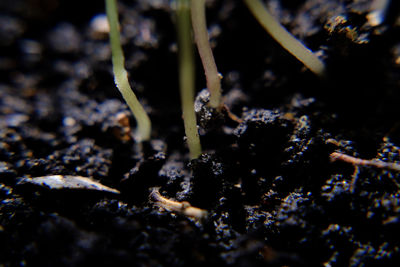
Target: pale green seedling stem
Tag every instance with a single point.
(213, 78)
(283, 37)
(143, 130)
(187, 76)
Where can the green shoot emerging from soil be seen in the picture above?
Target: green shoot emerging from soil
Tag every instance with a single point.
(143, 130)
(283, 37)
(201, 37)
(187, 75)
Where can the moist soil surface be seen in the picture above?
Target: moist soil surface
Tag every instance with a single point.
(273, 192)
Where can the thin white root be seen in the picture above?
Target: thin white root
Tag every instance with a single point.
(335, 156)
(175, 206)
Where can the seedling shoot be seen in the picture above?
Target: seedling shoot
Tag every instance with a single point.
(203, 45)
(187, 76)
(143, 130)
(284, 38)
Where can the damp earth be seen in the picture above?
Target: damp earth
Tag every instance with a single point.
(77, 189)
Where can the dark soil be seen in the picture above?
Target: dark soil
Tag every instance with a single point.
(273, 196)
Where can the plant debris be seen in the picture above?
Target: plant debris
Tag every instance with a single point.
(183, 207)
(68, 182)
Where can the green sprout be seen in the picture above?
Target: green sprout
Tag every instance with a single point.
(190, 15)
(203, 45)
(187, 76)
(284, 38)
(143, 130)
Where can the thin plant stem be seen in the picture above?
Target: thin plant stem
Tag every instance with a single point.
(143, 130)
(187, 76)
(203, 45)
(284, 38)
